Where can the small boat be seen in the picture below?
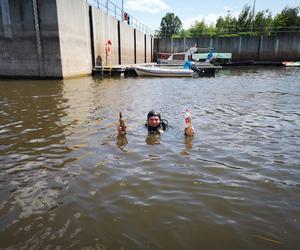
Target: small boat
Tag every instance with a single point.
(291, 64)
(158, 71)
(177, 59)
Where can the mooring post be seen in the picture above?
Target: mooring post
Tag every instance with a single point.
(119, 43)
(134, 45)
(145, 41)
(151, 51)
(122, 18)
(92, 35)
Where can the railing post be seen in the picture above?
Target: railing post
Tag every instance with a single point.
(122, 11)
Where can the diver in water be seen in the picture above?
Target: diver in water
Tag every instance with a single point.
(154, 122)
(155, 126)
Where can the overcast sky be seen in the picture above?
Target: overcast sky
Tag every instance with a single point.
(150, 12)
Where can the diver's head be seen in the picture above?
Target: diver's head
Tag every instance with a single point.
(153, 120)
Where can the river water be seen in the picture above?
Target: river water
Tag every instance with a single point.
(68, 182)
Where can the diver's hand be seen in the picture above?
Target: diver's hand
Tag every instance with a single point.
(121, 130)
(189, 130)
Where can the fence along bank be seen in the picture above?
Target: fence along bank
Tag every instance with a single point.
(244, 48)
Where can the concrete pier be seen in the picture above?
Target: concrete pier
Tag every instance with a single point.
(128, 42)
(140, 47)
(74, 37)
(105, 27)
(28, 50)
(64, 38)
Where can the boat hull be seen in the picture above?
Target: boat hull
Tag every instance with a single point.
(291, 64)
(162, 72)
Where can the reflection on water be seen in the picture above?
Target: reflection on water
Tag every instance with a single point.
(122, 141)
(153, 138)
(188, 140)
(67, 180)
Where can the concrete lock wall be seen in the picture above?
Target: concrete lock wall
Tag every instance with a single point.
(140, 47)
(50, 60)
(105, 27)
(285, 47)
(74, 37)
(29, 48)
(59, 38)
(126, 43)
(47, 39)
(149, 46)
(261, 48)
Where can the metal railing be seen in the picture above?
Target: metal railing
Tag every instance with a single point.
(114, 10)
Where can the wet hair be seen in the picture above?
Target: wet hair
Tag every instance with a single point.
(162, 125)
(153, 113)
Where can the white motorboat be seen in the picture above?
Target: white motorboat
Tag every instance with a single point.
(291, 64)
(178, 58)
(200, 59)
(159, 71)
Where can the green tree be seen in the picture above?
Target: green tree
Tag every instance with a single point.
(226, 25)
(246, 24)
(287, 17)
(210, 30)
(198, 29)
(170, 25)
(262, 21)
(182, 34)
(286, 20)
(244, 19)
(263, 18)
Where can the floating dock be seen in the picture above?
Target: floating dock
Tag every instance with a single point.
(128, 70)
(118, 70)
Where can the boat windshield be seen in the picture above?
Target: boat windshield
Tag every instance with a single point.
(179, 56)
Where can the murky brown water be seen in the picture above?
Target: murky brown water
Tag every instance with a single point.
(66, 181)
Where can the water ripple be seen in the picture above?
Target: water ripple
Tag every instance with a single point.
(68, 181)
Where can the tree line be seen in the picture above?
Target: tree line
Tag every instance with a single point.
(247, 23)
